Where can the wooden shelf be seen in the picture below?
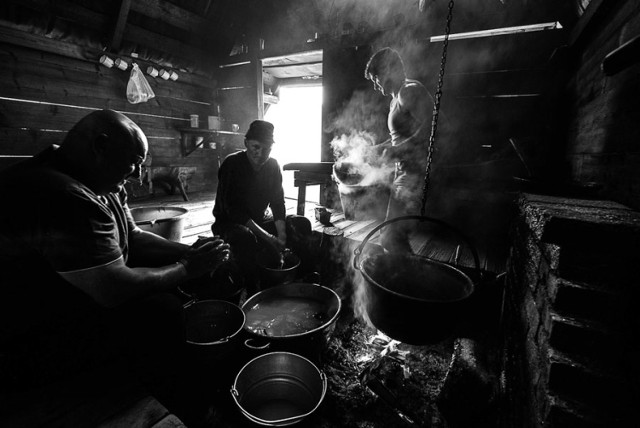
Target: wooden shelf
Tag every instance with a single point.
(190, 136)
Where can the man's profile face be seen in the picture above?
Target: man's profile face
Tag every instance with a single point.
(381, 84)
(258, 152)
(123, 162)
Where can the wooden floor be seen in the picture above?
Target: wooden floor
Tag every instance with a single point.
(200, 217)
(427, 243)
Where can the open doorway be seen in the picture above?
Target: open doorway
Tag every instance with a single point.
(298, 129)
(292, 87)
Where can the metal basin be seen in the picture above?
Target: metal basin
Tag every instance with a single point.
(167, 222)
(212, 330)
(279, 389)
(272, 273)
(296, 317)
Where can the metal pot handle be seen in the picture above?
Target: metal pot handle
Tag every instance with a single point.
(248, 344)
(189, 303)
(358, 251)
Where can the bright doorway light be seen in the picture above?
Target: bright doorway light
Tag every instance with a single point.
(297, 119)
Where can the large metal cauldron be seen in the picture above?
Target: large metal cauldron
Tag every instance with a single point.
(296, 317)
(414, 299)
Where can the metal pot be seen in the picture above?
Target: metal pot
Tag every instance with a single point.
(414, 299)
(224, 283)
(272, 272)
(360, 200)
(347, 173)
(296, 317)
(279, 389)
(167, 222)
(212, 329)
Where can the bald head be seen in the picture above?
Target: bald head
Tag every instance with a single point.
(105, 148)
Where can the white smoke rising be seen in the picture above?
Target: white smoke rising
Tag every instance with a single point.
(356, 155)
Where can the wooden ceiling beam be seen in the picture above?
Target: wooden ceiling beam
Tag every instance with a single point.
(121, 23)
(171, 47)
(169, 13)
(584, 20)
(70, 11)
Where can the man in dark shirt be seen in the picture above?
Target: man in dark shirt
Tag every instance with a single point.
(249, 209)
(83, 286)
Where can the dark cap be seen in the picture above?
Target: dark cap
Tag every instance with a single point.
(260, 130)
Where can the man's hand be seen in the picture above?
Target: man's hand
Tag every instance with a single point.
(277, 243)
(205, 256)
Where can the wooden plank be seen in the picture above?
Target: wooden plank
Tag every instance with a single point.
(145, 413)
(169, 13)
(359, 226)
(6, 162)
(236, 77)
(585, 20)
(182, 54)
(20, 114)
(362, 233)
(187, 53)
(64, 93)
(69, 11)
(121, 22)
(259, 87)
(27, 142)
(187, 87)
(34, 41)
(63, 76)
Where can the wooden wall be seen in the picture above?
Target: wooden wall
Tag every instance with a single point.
(42, 95)
(603, 138)
(239, 93)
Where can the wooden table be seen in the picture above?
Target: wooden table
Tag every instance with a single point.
(309, 174)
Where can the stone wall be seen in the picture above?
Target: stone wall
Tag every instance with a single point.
(568, 328)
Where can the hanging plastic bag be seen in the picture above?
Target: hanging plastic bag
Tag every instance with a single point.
(138, 89)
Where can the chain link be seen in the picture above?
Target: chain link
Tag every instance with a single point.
(436, 109)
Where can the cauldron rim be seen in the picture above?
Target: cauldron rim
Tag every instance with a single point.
(452, 269)
(253, 299)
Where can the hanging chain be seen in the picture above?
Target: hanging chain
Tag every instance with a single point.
(436, 109)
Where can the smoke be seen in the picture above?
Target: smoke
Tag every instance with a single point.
(358, 161)
(358, 127)
(360, 296)
(350, 285)
(365, 111)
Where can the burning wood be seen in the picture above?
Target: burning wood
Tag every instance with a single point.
(365, 367)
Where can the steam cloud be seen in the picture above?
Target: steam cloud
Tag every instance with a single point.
(356, 157)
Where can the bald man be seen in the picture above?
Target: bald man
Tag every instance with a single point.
(79, 280)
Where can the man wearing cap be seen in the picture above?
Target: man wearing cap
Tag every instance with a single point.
(249, 208)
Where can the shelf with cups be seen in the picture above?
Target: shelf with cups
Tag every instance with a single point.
(124, 63)
(194, 138)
